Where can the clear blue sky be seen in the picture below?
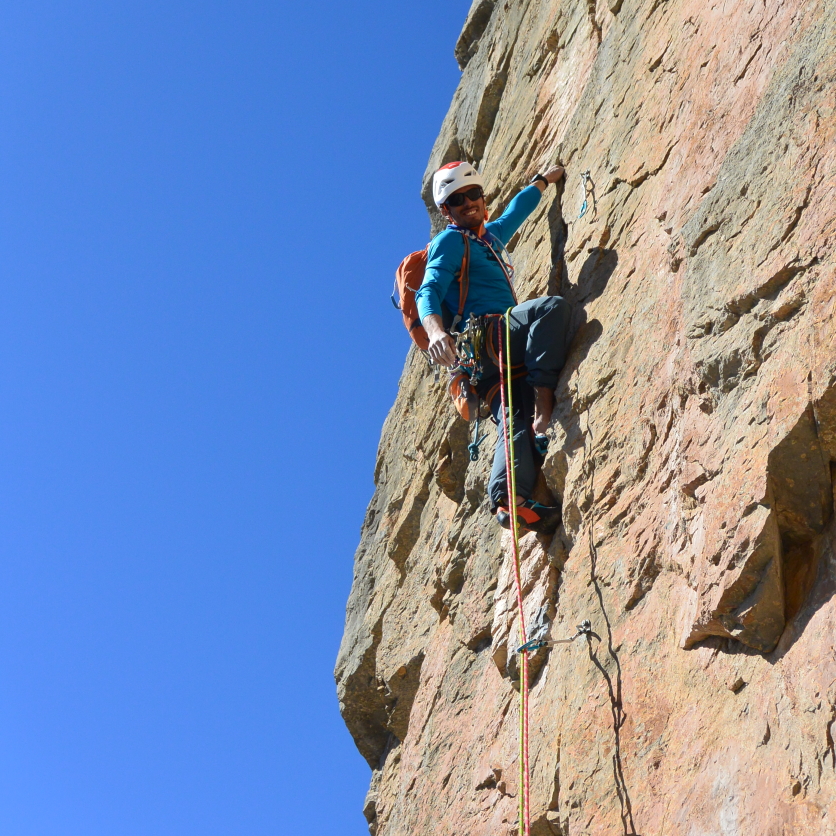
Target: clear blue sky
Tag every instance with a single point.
(202, 207)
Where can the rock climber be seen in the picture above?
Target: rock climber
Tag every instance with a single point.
(539, 327)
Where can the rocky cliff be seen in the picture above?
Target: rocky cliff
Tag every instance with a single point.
(693, 445)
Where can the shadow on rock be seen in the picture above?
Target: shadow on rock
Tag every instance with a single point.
(822, 568)
(613, 682)
(616, 706)
(594, 276)
(558, 233)
(583, 332)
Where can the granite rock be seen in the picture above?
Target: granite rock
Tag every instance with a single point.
(693, 445)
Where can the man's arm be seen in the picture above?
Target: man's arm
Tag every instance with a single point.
(522, 206)
(445, 259)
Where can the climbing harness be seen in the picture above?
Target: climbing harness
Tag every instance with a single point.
(472, 345)
(588, 187)
(583, 629)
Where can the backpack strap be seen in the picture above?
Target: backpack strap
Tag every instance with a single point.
(503, 268)
(464, 281)
(464, 276)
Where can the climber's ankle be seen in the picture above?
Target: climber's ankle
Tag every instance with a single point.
(543, 408)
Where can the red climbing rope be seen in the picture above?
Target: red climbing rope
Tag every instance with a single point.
(505, 378)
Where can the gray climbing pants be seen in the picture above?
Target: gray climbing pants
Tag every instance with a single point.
(540, 340)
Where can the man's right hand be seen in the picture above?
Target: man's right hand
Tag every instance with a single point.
(442, 348)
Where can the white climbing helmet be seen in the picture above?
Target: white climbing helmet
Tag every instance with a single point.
(452, 177)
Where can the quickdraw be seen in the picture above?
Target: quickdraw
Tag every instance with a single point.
(588, 186)
(473, 447)
(583, 629)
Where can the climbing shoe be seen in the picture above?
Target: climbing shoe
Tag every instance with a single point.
(531, 515)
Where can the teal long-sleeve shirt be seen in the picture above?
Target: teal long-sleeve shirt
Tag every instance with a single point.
(488, 291)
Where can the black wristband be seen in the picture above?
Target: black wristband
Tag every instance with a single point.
(537, 177)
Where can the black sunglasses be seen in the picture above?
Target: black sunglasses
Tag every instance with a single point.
(457, 198)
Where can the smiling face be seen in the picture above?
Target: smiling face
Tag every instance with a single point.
(470, 215)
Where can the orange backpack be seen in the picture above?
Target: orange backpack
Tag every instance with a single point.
(408, 278)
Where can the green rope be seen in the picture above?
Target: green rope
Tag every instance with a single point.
(511, 488)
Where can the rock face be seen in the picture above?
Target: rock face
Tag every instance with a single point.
(693, 446)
